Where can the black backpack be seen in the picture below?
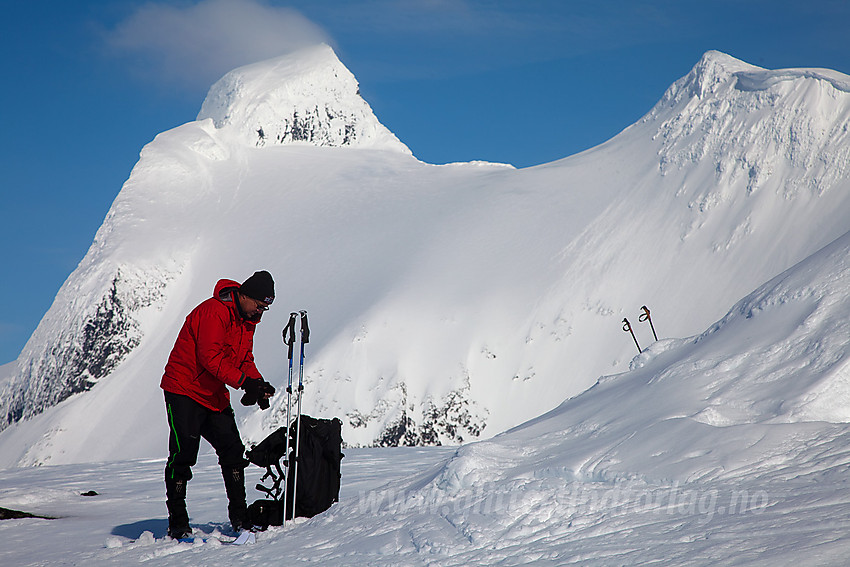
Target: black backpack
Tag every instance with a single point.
(317, 471)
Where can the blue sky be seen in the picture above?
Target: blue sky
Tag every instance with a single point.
(86, 84)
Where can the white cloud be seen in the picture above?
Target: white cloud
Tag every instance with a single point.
(193, 45)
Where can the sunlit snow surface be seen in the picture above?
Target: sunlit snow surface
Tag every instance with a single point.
(393, 513)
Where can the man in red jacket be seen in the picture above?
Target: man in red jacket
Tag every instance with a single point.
(213, 350)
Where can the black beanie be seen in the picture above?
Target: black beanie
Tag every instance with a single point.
(260, 286)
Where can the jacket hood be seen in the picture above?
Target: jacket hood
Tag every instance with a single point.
(222, 289)
(225, 291)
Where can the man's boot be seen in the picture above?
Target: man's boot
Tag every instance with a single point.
(237, 508)
(175, 500)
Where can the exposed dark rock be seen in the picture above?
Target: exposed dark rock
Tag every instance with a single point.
(78, 359)
(453, 420)
(7, 514)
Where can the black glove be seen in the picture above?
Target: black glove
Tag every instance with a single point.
(266, 392)
(257, 391)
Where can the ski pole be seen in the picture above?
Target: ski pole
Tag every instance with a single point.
(289, 341)
(628, 327)
(644, 316)
(305, 338)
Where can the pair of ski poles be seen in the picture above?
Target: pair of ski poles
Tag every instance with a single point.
(644, 316)
(289, 341)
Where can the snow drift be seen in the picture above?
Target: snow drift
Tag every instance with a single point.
(446, 302)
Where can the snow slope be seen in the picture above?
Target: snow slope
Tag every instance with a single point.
(725, 448)
(446, 302)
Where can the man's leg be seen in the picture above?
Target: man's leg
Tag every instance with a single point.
(221, 432)
(185, 418)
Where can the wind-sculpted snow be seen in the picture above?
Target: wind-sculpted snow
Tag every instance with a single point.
(762, 79)
(451, 303)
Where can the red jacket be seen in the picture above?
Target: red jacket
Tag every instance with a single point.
(213, 350)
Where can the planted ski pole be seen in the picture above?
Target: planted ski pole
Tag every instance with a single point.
(305, 338)
(628, 327)
(644, 316)
(289, 341)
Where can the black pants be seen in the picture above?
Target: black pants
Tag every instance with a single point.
(188, 422)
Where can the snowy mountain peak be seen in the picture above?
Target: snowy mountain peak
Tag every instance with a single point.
(712, 70)
(716, 70)
(306, 97)
(743, 123)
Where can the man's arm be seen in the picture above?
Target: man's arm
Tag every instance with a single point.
(210, 330)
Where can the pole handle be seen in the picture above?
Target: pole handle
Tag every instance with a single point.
(305, 328)
(644, 316)
(628, 328)
(289, 334)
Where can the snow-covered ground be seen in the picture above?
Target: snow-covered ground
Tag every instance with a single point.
(541, 516)
(544, 517)
(110, 528)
